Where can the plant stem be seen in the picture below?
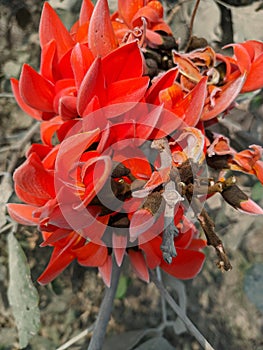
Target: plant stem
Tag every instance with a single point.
(180, 313)
(105, 310)
(192, 25)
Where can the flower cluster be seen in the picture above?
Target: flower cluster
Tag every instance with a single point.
(124, 122)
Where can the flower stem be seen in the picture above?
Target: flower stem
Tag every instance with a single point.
(180, 313)
(105, 310)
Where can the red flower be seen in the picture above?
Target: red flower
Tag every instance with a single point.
(248, 60)
(201, 63)
(69, 68)
(82, 203)
(249, 161)
(141, 20)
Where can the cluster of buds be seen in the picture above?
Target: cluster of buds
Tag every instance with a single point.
(126, 148)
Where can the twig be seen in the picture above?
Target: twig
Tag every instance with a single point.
(6, 227)
(105, 310)
(164, 311)
(76, 338)
(180, 313)
(6, 95)
(174, 10)
(191, 25)
(20, 145)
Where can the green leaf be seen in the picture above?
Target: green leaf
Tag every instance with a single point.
(156, 343)
(22, 294)
(257, 192)
(122, 287)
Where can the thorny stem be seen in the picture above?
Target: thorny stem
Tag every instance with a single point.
(191, 25)
(105, 310)
(180, 313)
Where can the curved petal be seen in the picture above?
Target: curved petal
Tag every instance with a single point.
(48, 129)
(127, 62)
(25, 107)
(92, 254)
(35, 90)
(81, 60)
(139, 264)
(164, 81)
(255, 78)
(187, 264)
(23, 213)
(106, 270)
(127, 9)
(86, 10)
(92, 85)
(132, 90)
(60, 259)
(226, 97)
(41, 184)
(51, 28)
(119, 244)
(47, 60)
(101, 36)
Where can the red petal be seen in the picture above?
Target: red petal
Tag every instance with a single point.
(153, 38)
(64, 67)
(106, 270)
(92, 85)
(85, 11)
(41, 184)
(187, 264)
(226, 97)
(95, 174)
(68, 107)
(22, 213)
(152, 250)
(127, 62)
(51, 28)
(193, 103)
(187, 67)
(130, 90)
(255, 78)
(139, 265)
(47, 60)
(48, 129)
(258, 168)
(35, 90)
(63, 254)
(141, 221)
(71, 150)
(197, 244)
(119, 244)
(96, 229)
(254, 48)
(242, 57)
(92, 254)
(101, 36)
(148, 13)
(81, 60)
(55, 236)
(31, 111)
(251, 207)
(159, 84)
(127, 9)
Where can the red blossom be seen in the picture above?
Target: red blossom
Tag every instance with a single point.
(140, 20)
(101, 191)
